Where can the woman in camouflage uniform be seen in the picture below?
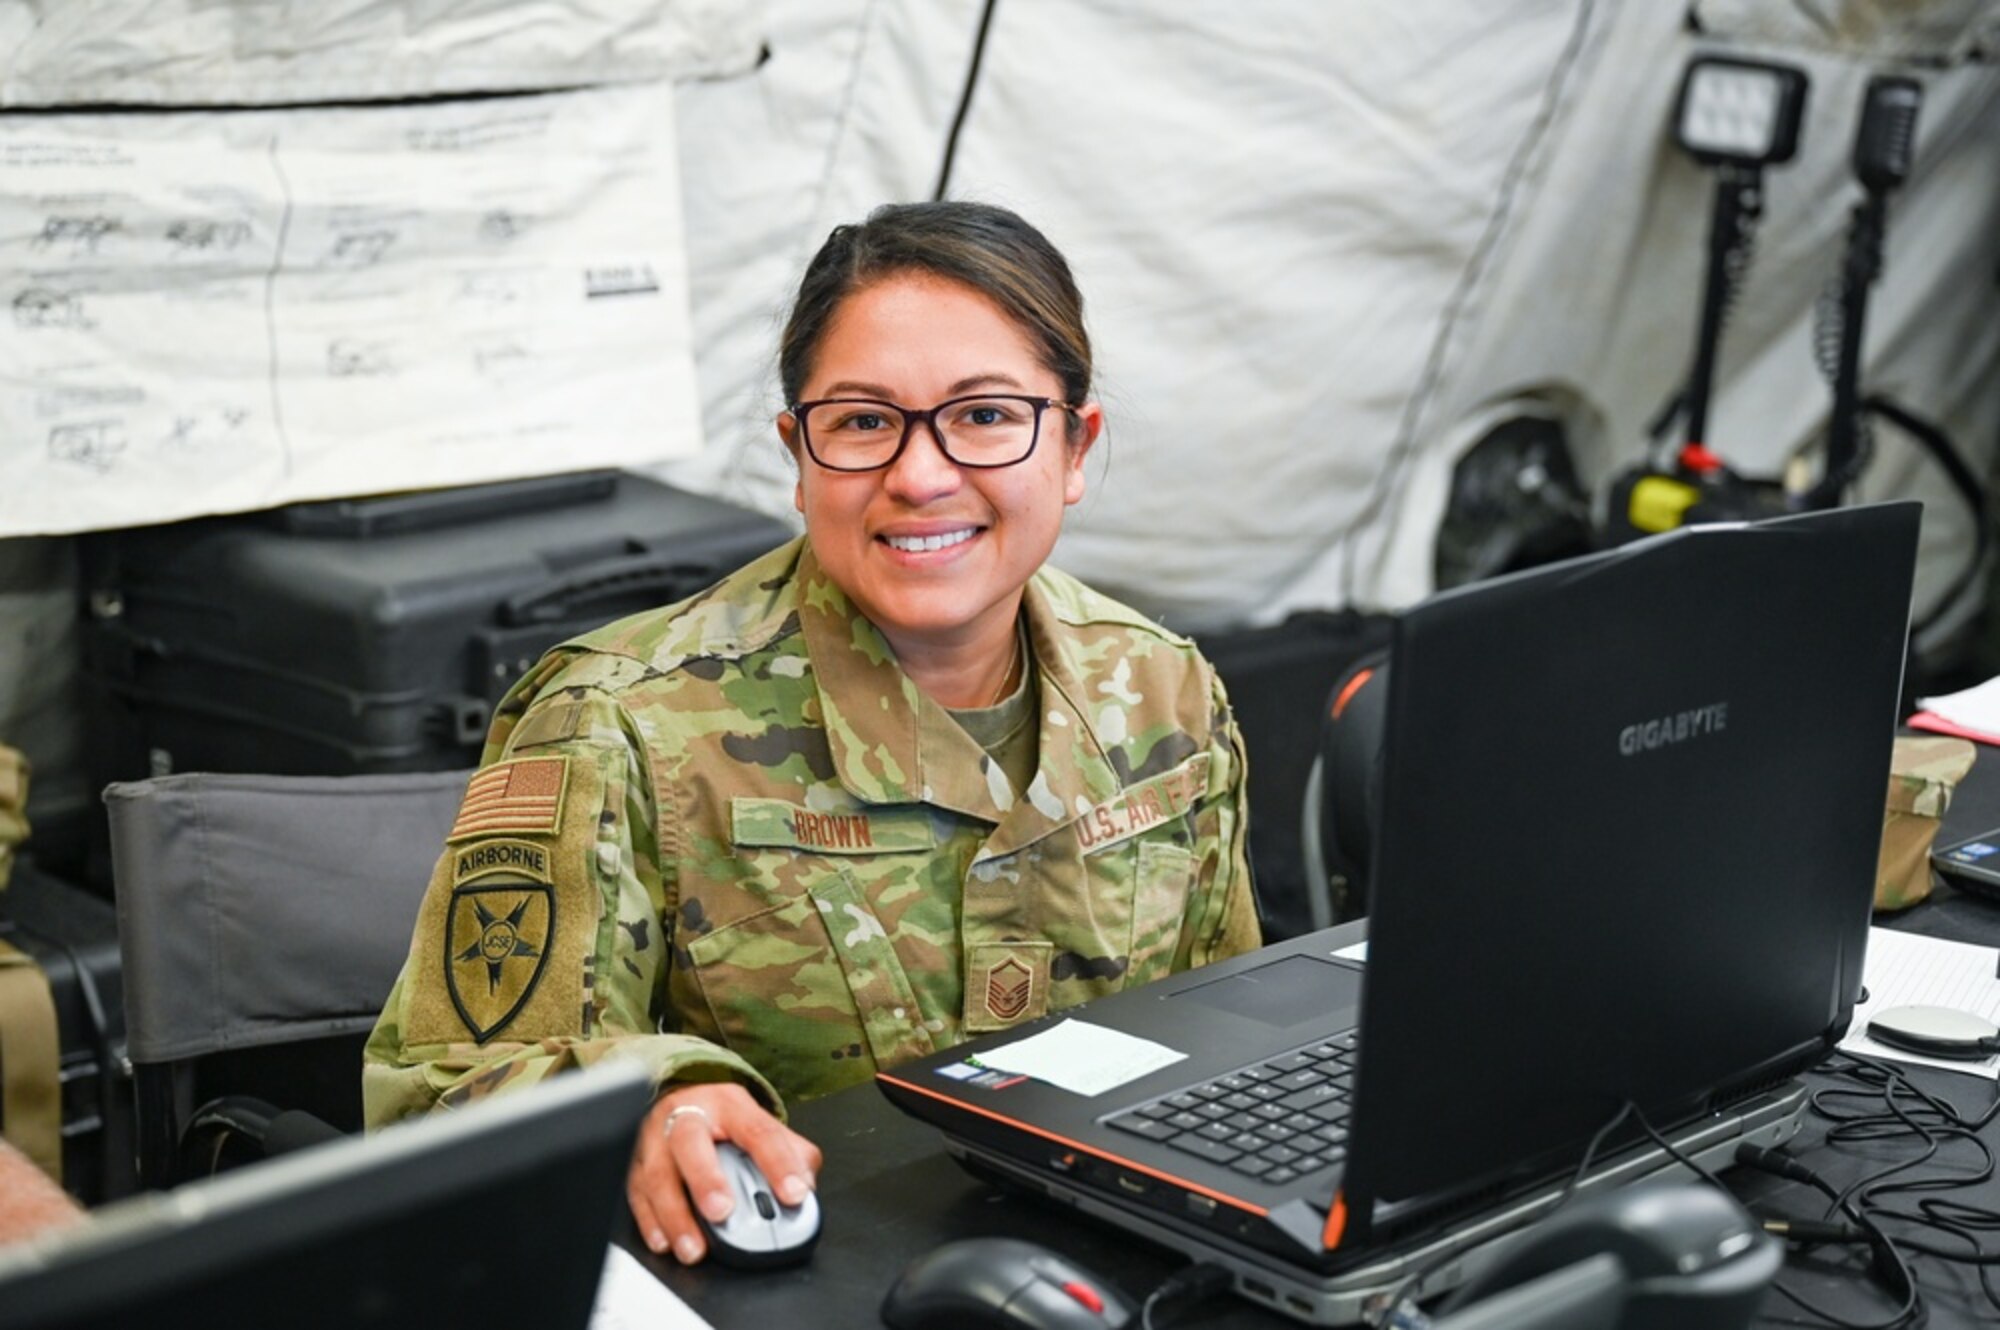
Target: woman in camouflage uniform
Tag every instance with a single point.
(891, 785)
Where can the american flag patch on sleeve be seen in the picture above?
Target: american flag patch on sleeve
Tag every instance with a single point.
(523, 796)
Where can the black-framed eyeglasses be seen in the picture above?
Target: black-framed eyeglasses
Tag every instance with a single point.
(862, 434)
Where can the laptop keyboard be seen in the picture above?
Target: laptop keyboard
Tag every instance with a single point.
(1275, 1121)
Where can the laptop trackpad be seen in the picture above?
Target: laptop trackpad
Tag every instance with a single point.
(1285, 992)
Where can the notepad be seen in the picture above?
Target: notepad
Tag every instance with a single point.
(1905, 970)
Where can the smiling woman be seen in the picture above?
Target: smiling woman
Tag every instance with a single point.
(932, 521)
(894, 784)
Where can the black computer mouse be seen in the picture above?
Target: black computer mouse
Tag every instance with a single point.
(1004, 1284)
(761, 1231)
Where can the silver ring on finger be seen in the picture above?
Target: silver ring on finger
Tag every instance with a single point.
(685, 1110)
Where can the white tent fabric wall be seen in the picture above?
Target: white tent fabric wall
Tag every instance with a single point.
(1324, 245)
(1595, 300)
(1266, 204)
(292, 52)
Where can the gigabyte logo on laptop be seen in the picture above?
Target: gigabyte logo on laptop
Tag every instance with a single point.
(1675, 729)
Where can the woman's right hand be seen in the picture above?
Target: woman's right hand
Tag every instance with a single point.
(676, 1160)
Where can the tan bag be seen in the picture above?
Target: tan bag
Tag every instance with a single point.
(30, 1061)
(1923, 774)
(13, 808)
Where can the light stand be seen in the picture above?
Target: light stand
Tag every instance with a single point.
(1736, 117)
(1883, 148)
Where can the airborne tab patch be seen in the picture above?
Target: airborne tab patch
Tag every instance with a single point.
(487, 858)
(498, 931)
(524, 796)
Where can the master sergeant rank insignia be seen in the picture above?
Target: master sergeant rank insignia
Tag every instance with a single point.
(499, 930)
(1009, 985)
(1006, 983)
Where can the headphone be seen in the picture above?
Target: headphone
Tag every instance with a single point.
(1344, 789)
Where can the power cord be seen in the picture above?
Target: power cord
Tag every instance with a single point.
(1938, 1123)
(1400, 1310)
(1889, 1263)
(1880, 1105)
(1190, 1287)
(1963, 478)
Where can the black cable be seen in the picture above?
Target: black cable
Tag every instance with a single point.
(1195, 1283)
(964, 99)
(1812, 1232)
(1670, 411)
(1399, 1311)
(1625, 1110)
(1877, 1074)
(1935, 441)
(1681, 1157)
(1891, 1266)
(1884, 1105)
(1959, 1220)
(1783, 1164)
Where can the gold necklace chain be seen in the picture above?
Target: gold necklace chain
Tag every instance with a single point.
(1007, 680)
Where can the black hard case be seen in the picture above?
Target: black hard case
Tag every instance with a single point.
(73, 936)
(373, 635)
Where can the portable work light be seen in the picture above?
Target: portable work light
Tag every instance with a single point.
(1740, 112)
(1735, 117)
(1738, 117)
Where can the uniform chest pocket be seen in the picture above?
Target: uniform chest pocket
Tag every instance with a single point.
(811, 990)
(1154, 873)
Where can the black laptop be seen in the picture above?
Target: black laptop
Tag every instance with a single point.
(497, 1214)
(1631, 808)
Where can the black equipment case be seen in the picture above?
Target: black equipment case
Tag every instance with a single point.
(373, 635)
(73, 936)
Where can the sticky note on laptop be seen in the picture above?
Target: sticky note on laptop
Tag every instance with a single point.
(1082, 1058)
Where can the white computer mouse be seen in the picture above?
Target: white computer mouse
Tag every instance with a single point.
(761, 1231)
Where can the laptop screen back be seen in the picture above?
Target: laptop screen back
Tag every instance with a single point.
(493, 1215)
(1654, 776)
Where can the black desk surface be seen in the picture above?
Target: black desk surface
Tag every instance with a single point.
(890, 1193)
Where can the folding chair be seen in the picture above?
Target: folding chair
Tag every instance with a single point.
(262, 921)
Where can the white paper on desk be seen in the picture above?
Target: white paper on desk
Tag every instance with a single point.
(1975, 708)
(630, 1298)
(1082, 1058)
(1906, 970)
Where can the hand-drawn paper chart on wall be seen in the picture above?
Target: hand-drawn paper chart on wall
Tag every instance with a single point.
(217, 311)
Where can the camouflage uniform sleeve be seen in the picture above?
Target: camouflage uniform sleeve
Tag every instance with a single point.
(13, 807)
(1223, 901)
(522, 967)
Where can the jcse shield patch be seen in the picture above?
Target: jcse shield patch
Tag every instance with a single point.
(499, 930)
